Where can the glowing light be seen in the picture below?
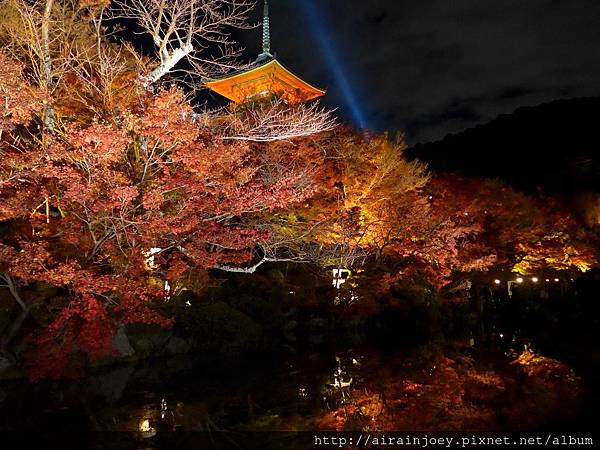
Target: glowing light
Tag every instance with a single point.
(163, 408)
(145, 428)
(556, 280)
(501, 335)
(149, 257)
(535, 279)
(340, 276)
(547, 280)
(497, 281)
(519, 280)
(145, 425)
(326, 43)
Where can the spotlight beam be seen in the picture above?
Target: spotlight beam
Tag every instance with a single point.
(316, 23)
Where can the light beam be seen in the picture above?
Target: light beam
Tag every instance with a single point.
(317, 24)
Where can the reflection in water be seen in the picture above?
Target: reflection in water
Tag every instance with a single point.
(432, 388)
(437, 386)
(145, 428)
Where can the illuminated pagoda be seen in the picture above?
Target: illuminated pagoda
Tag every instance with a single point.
(264, 78)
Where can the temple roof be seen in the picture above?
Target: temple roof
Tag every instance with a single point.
(264, 77)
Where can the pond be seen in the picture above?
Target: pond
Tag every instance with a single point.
(487, 381)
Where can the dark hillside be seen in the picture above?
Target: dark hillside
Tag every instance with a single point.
(554, 146)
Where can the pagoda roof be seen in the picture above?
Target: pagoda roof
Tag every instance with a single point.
(264, 77)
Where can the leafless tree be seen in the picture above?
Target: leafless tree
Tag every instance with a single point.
(276, 121)
(100, 67)
(30, 32)
(182, 29)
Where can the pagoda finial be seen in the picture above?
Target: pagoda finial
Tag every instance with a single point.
(266, 46)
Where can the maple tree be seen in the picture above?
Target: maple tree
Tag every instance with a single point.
(20, 100)
(527, 232)
(361, 179)
(374, 205)
(89, 205)
(120, 195)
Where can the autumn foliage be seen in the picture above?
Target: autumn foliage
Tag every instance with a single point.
(119, 213)
(119, 195)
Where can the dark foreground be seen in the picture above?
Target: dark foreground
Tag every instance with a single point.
(489, 381)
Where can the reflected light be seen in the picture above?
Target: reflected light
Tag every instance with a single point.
(340, 276)
(163, 408)
(145, 428)
(145, 425)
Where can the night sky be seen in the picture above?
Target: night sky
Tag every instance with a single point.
(432, 67)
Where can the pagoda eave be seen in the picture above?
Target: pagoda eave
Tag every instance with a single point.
(270, 78)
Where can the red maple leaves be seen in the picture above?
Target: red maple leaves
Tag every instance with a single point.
(110, 210)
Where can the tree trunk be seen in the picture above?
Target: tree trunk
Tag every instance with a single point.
(49, 117)
(167, 65)
(14, 328)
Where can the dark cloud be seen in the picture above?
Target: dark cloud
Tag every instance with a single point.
(436, 66)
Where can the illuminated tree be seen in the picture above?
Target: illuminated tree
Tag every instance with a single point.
(360, 181)
(271, 121)
(181, 29)
(19, 100)
(589, 208)
(528, 233)
(89, 207)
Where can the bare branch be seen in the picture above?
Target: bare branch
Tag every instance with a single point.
(10, 284)
(181, 29)
(276, 121)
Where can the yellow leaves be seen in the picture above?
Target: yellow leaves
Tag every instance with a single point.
(94, 3)
(527, 357)
(376, 171)
(555, 252)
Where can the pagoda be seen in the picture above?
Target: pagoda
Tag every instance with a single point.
(266, 77)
